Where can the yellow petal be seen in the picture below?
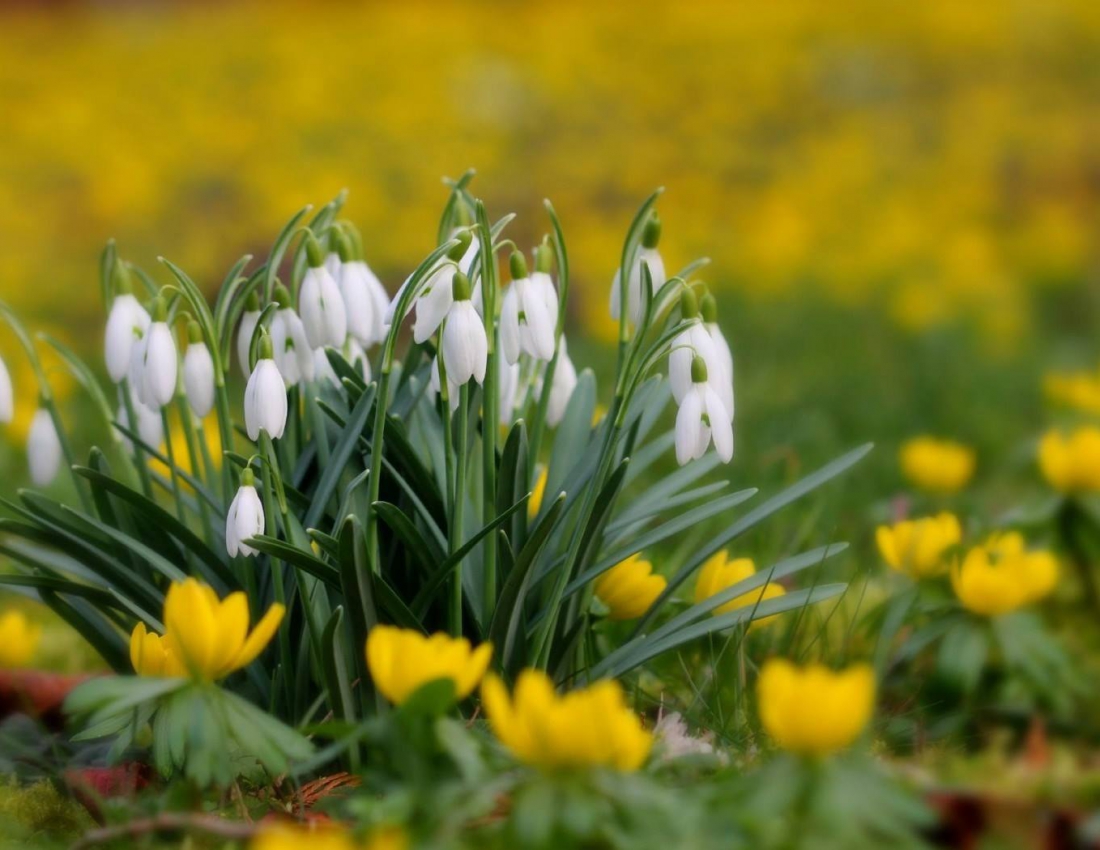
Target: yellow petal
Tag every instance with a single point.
(260, 636)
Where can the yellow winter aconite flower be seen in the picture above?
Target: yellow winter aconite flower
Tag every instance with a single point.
(203, 635)
(402, 660)
(629, 588)
(1001, 575)
(1077, 390)
(813, 710)
(18, 639)
(327, 836)
(937, 466)
(1071, 464)
(150, 656)
(719, 573)
(917, 546)
(588, 727)
(537, 492)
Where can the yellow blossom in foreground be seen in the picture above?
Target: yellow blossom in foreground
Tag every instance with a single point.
(588, 727)
(209, 637)
(537, 492)
(937, 466)
(917, 546)
(327, 836)
(1077, 390)
(150, 656)
(403, 660)
(1071, 464)
(1001, 575)
(813, 710)
(18, 639)
(719, 573)
(629, 588)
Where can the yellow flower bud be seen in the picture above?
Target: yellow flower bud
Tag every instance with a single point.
(1000, 576)
(1071, 464)
(150, 656)
(937, 466)
(629, 588)
(18, 639)
(918, 546)
(588, 727)
(813, 710)
(719, 573)
(403, 660)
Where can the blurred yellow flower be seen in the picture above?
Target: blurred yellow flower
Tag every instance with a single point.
(813, 710)
(19, 639)
(629, 588)
(918, 546)
(937, 466)
(537, 492)
(327, 836)
(588, 727)
(719, 572)
(1001, 575)
(206, 636)
(403, 660)
(150, 655)
(1077, 390)
(1071, 464)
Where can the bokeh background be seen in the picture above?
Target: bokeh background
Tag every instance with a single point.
(901, 200)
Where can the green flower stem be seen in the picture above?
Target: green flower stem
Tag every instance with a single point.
(490, 417)
(225, 430)
(459, 505)
(285, 656)
(448, 437)
(173, 473)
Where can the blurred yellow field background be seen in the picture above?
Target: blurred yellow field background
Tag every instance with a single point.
(940, 158)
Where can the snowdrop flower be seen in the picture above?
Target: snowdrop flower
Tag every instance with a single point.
(465, 346)
(43, 448)
(7, 396)
(561, 390)
(364, 296)
(293, 355)
(319, 302)
(508, 387)
(709, 310)
(127, 322)
(649, 255)
(434, 299)
(529, 310)
(265, 396)
(245, 518)
(697, 341)
(701, 418)
(159, 362)
(357, 357)
(249, 319)
(434, 385)
(198, 372)
(150, 425)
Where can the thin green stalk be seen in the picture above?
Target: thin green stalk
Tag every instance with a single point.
(490, 401)
(184, 413)
(225, 430)
(458, 511)
(177, 488)
(277, 582)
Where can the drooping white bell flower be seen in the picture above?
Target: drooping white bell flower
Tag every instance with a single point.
(293, 355)
(7, 395)
(128, 321)
(508, 388)
(319, 302)
(434, 385)
(135, 374)
(529, 311)
(433, 297)
(702, 418)
(43, 448)
(150, 425)
(249, 319)
(198, 372)
(160, 361)
(333, 264)
(365, 298)
(708, 308)
(465, 346)
(561, 390)
(245, 518)
(649, 255)
(265, 405)
(691, 342)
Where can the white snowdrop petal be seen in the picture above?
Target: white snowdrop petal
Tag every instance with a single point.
(249, 320)
(198, 378)
(265, 405)
(7, 395)
(127, 321)
(43, 448)
(433, 303)
(161, 366)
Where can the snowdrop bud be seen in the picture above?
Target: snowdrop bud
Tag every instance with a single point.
(689, 304)
(561, 390)
(701, 418)
(249, 319)
(508, 385)
(529, 313)
(245, 518)
(708, 308)
(651, 257)
(149, 427)
(161, 366)
(265, 404)
(365, 300)
(319, 302)
(198, 372)
(651, 235)
(43, 448)
(517, 265)
(544, 257)
(691, 342)
(126, 322)
(7, 397)
(293, 355)
(465, 346)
